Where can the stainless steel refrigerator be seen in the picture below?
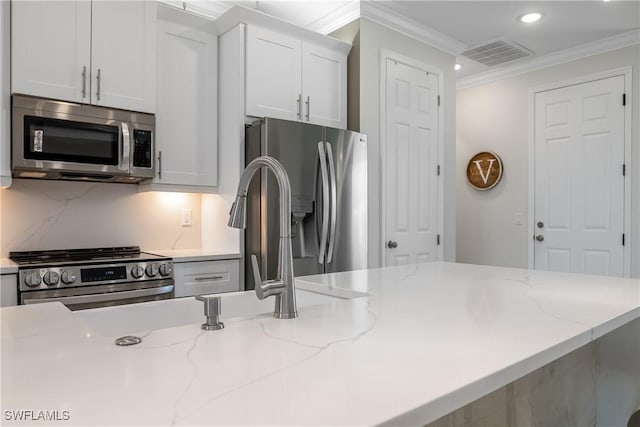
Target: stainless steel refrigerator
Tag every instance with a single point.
(327, 170)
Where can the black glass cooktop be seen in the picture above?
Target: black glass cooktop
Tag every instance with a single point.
(64, 256)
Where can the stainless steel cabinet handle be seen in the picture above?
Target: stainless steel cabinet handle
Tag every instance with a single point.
(203, 278)
(84, 81)
(308, 102)
(98, 83)
(159, 164)
(299, 114)
(540, 238)
(325, 201)
(126, 147)
(334, 202)
(391, 244)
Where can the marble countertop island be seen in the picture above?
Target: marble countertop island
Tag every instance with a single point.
(402, 345)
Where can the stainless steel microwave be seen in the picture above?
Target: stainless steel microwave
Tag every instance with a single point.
(64, 140)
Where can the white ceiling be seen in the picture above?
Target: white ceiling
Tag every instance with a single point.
(565, 24)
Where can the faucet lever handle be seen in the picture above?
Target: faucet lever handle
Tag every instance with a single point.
(267, 288)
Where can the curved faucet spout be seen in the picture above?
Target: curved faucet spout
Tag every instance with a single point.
(283, 288)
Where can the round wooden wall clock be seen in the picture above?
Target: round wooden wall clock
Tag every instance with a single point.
(484, 170)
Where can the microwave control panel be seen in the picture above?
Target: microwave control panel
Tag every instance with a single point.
(142, 148)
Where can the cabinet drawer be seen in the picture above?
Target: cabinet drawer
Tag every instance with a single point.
(206, 277)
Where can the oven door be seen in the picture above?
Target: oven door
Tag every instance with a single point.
(85, 297)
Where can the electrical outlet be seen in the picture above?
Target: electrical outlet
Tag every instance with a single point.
(186, 220)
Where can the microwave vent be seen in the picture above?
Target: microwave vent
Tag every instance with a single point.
(497, 52)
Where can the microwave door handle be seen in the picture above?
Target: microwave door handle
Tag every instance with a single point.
(126, 147)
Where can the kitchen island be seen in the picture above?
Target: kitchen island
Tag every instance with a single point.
(402, 345)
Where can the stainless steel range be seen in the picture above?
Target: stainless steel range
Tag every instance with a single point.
(91, 278)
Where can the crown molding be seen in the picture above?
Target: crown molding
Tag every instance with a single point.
(212, 10)
(374, 10)
(588, 49)
(337, 18)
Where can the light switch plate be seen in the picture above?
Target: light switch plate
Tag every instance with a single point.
(186, 220)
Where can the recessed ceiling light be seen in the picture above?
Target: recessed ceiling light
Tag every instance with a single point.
(530, 17)
(457, 67)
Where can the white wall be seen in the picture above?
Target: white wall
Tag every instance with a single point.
(36, 215)
(494, 117)
(374, 37)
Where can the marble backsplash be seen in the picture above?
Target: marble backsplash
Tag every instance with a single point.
(36, 215)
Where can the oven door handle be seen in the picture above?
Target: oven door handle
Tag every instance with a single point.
(111, 296)
(126, 148)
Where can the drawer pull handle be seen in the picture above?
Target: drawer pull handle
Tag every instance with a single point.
(208, 278)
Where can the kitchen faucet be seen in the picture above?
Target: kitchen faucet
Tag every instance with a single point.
(283, 287)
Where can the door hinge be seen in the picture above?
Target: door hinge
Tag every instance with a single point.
(438, 170)
(624, 169)
(624, 99)
(438, 240)
(438, 100)
(622, 239)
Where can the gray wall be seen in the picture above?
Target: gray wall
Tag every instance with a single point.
(371, 38)
(495, 117)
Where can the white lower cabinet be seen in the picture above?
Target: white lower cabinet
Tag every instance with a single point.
(8, 290)
(206, 277)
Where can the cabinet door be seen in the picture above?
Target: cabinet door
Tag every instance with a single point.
(206, 277)
(186, 131)
(123, 51)
(273, 74)
(5, 98)
(51, 49)
(8, 290)
(324, 86)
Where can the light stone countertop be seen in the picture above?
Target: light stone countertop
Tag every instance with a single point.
(426, 340)
(189, 255)
(7, 266)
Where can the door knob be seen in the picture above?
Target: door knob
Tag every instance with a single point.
(539, 237)
(391, 244)
(540, 224)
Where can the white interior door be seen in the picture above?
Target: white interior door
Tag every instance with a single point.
(579, 182)
(410, 160)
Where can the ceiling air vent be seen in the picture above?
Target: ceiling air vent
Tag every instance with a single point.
(497, 52)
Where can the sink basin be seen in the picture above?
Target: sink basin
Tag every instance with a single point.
(136, 318)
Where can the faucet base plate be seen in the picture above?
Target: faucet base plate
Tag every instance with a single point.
(286, 315)
(216, 327)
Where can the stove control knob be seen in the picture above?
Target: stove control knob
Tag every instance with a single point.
(165, 269)
(152, 270)
(32, 279)
(68, 277)
(51, 278)
(137, 271)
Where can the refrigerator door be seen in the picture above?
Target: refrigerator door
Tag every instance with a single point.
(295, 145)
(347, 246)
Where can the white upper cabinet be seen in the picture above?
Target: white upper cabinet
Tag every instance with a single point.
(324, 84)
(186, 116)
(5, 99)
(274, 74)
(123, 54)
(51, 49)
(291, 78)
(98, 52)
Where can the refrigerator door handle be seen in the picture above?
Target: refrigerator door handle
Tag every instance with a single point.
(334, 203)
(322, 156)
